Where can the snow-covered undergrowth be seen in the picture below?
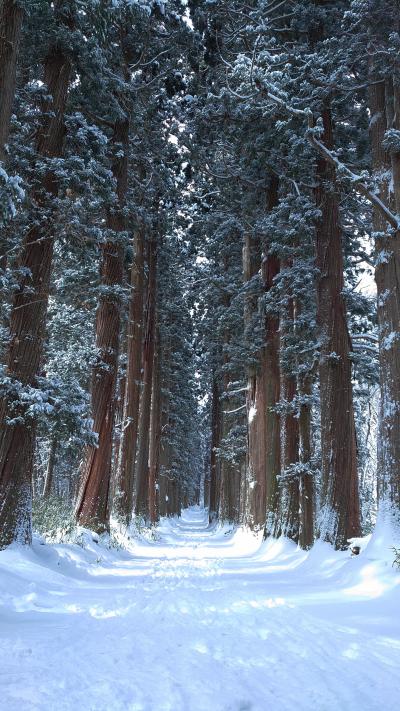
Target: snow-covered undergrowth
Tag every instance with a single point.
(200, 619)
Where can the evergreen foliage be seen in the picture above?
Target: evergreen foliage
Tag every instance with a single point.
(239, 142)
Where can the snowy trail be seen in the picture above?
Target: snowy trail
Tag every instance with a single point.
(199, 620)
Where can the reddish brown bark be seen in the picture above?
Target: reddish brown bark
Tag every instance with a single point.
(177, 498)
(384, 101)
(142, 465)
(155, 435)
(289, 441)
(92, 508)
(173, 497)
(48, 482)
(130, 420)
(11, 16)
(227, 508)
(290, 452)
(165, 447)
(163, 494)
(263, 392)
(271, 377)
(117, 435)
(254, 488)
(307, 495)
(28, 320)
(215, 443)
(206, 493)
(256, 437)
(340, 516)
(11, 20)
(229, 490)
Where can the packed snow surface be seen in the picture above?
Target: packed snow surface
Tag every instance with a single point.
(202, 619)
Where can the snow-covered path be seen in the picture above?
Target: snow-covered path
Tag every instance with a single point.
(200, 620)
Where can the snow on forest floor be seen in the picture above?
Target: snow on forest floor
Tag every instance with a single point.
(203, 619)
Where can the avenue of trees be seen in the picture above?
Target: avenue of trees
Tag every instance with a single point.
(200, 263)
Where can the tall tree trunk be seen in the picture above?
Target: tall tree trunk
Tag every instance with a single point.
(142, 466)
(11, 16)
(92, 508)
(48, 482)
(155, 435)
(271, 378)
(206, 492)
(178, 497)
(28, 320)
(306, 523)
(117, 435)
(163, 494)
(263, 391)
(254, 488)
(174, 497)
(165, 447)
(256, 497)
(340, 514)
(226, 510)
(385, 113)
(130, 420)
(216, 430)
(229, 506)
(169, 496)
(289, 440)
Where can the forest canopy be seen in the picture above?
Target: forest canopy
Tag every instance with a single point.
(199, 264)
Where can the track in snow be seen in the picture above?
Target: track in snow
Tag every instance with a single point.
(201, 620)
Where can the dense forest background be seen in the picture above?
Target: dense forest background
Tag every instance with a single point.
(200, 263)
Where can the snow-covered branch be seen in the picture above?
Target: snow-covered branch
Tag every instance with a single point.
(356, 180)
